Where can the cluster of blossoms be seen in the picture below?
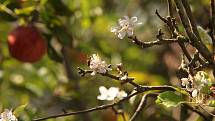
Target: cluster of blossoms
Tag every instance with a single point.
(110, 94)
(97, 65)
(7, 115)
(125, 26)
(197, 84)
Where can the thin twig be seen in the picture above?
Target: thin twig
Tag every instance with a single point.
(138, 87)
(128, 79)
(174, 30)
(170, 9)
(191, 18)
(196, 111)
(150, 44)
(213, 24)
(194, 40)
(88, 110)
(141, 105)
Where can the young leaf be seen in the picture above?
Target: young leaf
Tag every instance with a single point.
(20, 109)
(169, 99)
(211, 103)
(204, 35)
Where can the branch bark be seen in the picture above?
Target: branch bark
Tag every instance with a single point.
(195, 41)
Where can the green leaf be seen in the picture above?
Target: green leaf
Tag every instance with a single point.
(25, 11)
(204, 35)
(182, 91)
(169, 99)
(6, 9)
(211, 103)
(20, 109)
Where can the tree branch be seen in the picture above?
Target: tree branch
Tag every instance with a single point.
(153, 43)
(88, 110)
(128, 79)
(141, 105)
(193, 38)
(213, 24)
(173, 29)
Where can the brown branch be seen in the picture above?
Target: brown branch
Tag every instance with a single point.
(174, 30)
(88, 110)
(170, 8)
(128, 79)
(196, 111)
(138, 87)
(153, 43)
(195, 41)
(191, 18)
(213, 24)
(141, 105)
(139, 90)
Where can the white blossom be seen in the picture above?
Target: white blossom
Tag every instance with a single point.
(185, 82)
(195, 93)
(201, 77)
(124, 77)
(110, 94)
(125, 26)
(7, 115)
(122, 94)
(97, 65)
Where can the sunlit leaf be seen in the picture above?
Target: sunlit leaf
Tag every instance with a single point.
(20, 109)
(169, 99)
(211, 103)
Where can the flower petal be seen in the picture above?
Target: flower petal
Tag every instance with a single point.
(133, 19)
(102, 97)
(126, 18)
(103, 90)
(113, 92)
(93, 73)
(130, 31)
(114, 29)
(121, 35)
(195, 93)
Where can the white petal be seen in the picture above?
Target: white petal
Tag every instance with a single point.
(194, 93)
(113, 92)
(109, 98)
(133, 19)
(122, 94)
(93, 73)
(104, 93)
(130, 31)
(114, 29)
(102, 97)
(139, 23)
(126, 18)
(121, 35)
(122, 22)
(103, 90)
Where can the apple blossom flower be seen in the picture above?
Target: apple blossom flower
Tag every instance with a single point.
(185, 82)
(195, 93)
(122, 94)
(201, 77)
(110, 94)
(7, 115)
(97, 65)
(125, 26)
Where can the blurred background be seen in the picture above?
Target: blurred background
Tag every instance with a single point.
(74, 30)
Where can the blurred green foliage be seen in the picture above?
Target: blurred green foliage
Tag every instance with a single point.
(82, 27)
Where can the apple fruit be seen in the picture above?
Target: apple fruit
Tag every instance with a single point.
(26, 44)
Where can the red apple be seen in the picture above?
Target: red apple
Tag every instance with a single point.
(26, 44)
